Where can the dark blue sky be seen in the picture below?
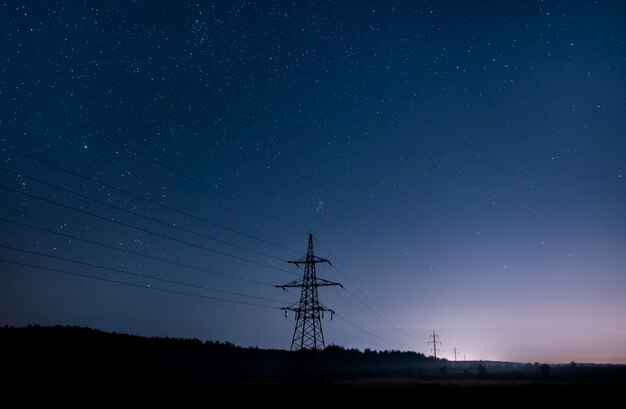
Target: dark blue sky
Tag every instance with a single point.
(462, 163)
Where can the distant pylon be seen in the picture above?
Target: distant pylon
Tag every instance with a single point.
(455, 352)
(308, 334)
(434, 341)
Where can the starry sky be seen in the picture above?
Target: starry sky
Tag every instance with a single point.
(462, 164)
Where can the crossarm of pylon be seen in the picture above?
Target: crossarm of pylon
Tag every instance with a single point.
(325, 283)
(320, 308)
(310, 260)
(294, 283)
(320, 282)
(324, 308)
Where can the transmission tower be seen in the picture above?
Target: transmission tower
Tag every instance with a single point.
(308, 333)
(434, 337)
(455, 352)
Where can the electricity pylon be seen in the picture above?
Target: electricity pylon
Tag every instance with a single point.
(434, 341)
(308, 333)
(455, 352)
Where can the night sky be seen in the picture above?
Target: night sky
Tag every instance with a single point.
(462, 164)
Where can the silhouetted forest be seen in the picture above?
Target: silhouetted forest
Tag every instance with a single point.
(37, 353)
(83, 352)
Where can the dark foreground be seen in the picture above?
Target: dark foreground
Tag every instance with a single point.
(370, 393)
(74, 362)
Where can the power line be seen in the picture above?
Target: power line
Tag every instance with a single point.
(143, 275)
(131, 273)
(115, 221)
(377, 315)
(371, 313)
(336, 265)
(112, 220)
(152, 219)
(367, 332)
(136, 253)
(144, 199)
(171, 169)
(347, 334)
(166, 290)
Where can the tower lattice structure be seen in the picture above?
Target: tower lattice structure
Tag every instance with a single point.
(309, 312)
